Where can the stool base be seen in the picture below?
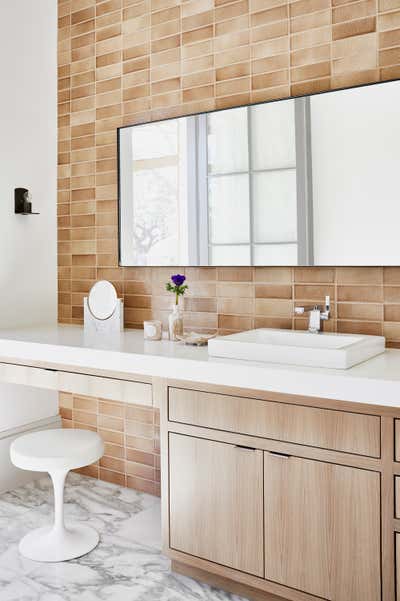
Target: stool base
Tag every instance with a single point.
(58, 544)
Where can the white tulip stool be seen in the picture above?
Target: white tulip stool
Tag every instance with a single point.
(57, 452)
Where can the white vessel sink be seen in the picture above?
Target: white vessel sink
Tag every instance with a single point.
(339, 351)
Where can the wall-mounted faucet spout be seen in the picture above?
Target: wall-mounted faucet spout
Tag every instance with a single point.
(317, 315)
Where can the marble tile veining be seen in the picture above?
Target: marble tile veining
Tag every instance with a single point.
(127, 565)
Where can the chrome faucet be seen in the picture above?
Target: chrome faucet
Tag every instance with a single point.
(317, 315)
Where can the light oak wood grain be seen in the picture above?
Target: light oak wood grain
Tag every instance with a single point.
(352, 510)
(224, 583)
(397, 439)
(397, 541)
(387, 509)
(324, 428)
(216, 502)
(322, 528)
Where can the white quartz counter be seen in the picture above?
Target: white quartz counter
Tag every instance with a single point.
(66, 348)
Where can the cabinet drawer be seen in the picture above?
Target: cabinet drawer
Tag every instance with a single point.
(28, 376)
(322, 428)
(137, 393)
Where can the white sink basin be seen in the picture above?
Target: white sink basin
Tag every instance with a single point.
(339, 351)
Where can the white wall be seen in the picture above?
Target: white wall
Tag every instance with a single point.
(355, 156)
(28, 159)
(28, 156)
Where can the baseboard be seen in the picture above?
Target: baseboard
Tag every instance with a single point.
(223, 583)
(10, 476)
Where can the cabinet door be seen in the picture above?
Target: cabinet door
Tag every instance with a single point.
(216, 502)
(322, 528)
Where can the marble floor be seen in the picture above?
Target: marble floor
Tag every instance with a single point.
(127, 565)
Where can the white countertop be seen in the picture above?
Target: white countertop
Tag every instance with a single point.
(66, 347)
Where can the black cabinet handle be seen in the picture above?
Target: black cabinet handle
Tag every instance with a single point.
(282, 455)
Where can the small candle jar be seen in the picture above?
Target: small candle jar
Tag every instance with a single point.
(152, 330)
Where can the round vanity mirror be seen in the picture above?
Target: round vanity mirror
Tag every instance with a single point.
(102, 300)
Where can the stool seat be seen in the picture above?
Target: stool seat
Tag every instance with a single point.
(48, 450)
(57, 452)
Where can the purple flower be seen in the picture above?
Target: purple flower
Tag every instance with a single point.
(178, 279)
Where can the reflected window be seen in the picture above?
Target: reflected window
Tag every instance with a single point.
(251, 186)
(220, 188)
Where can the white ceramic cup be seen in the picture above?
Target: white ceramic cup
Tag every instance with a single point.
(152, 330)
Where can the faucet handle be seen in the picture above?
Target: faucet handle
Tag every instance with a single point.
(327, 303)
(302, 310)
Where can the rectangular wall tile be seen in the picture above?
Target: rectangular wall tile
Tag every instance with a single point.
(123, 62)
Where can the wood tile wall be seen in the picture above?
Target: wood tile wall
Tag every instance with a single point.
(127, 61)
(131, 438)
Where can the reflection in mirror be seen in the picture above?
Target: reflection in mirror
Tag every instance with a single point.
(292, 182)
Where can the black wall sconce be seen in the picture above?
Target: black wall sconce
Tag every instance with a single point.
(23, 205)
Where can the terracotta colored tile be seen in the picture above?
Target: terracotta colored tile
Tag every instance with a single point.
(391, 331)
(273, 275)
(113, 450)
(310, 21)
(174, 58)
(235, 322)
(236, 305)
(66, 414)
(89, 470)
(139, 443)
(274, 308)
(303, 7)
(236, 274)
(208, 305)
(113, 409)
(110, 436)
(113, 477)
(315, 275)
(273, 322)
(391, 294)
(140, 414)
(238, 289)
(138, 429)
(312, 292)
(65, 400)
(140, 470)
(369, 328)
(371, 294)
(356, 10)
(359, 275)
(371, 312)
(142, 485)
(273, 291)
(140, 457)
(111, 423)
(389, 21)
(391, 275)
(353, 28)
(82, 417)
(85, 404)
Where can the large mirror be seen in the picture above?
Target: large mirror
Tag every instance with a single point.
(307, 181)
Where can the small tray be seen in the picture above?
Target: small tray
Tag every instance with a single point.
(196, 339)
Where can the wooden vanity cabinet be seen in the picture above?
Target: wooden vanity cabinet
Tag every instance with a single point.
(216, 502)
(249, 508)
(322, 528)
